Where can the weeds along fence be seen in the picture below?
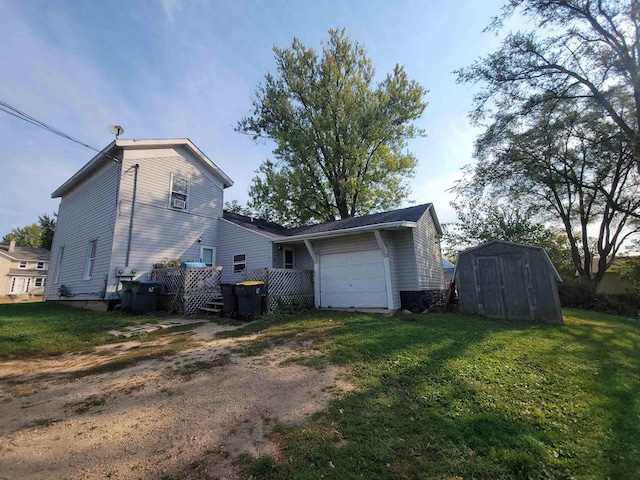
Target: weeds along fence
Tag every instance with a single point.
(284, 287)
(185, 290)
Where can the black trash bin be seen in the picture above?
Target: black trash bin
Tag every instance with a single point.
(229, 299)
(249, 299)
(127, 295)
(145, 296)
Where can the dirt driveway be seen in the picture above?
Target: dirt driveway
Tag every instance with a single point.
(180, 417)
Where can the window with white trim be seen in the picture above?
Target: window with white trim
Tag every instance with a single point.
(58, 264)
(39, 282)
(288, 258)
(22, 264)
(239, 263)
(179, 193)
(40, 266)
(90, 260)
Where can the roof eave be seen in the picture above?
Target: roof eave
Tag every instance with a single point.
(345, 231)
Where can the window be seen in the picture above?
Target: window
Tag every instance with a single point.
(288, 258)
(90, 260)
(22, 264)
(58, 264)
(239, 263)
(40, 266)
(39, 282)
(179, 193)
(208, 256)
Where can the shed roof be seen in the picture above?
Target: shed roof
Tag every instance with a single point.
(514, 244)
(106, 155)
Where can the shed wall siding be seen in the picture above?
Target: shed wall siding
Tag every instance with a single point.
(428, 255)
(86, 213)
(159, 231)
(406, 260)
(235, 240)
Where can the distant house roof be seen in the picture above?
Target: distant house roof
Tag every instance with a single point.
(22, 272)
(25, 254)
(393, 218)
(447, 264)
(104, 156)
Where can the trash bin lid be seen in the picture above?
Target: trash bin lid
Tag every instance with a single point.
(250, 283)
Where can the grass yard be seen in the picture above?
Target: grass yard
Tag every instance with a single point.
(40, 329)
(455, 396)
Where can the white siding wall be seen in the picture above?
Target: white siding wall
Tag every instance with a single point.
(406, 260)
(159, 231)
(428, 255)
(235, 240)
(303, 260)
(5, 279)
(86, 213)
(349, 243)
(393, 267)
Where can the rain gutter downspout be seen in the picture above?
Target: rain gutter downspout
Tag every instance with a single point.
(133, 206)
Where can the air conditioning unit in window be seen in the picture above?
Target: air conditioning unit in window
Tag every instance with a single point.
(177, 203)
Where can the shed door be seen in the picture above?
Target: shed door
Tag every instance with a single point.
(354, 279)
(489, 287)
(517, 298)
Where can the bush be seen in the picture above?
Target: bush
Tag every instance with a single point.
(581, 294)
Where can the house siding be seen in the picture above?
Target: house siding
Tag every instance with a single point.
(427, 254)
(406, 260)
(350, 243)
(77, 225)
(159, 231)
(5, 279)
(235, 240)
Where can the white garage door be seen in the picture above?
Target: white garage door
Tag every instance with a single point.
(353, 280)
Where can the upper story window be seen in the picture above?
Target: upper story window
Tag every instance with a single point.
(179, 193)
(239, 263)
(40, 265)
(90, 260)
(22, 264)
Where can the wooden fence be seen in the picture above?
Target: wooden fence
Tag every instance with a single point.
(284, 287)
(187, 289)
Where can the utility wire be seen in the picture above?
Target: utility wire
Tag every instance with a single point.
(5, 107)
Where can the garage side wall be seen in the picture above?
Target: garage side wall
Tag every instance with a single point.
(428, 255)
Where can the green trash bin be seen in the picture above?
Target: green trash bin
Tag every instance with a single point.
(145, 296)
(249, 299)
(126, 295)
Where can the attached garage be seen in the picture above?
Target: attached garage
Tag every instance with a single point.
(353, 279)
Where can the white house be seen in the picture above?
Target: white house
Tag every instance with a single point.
(23, 270)
(140, 201)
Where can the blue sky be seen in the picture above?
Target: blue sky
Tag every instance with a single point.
(187, 68)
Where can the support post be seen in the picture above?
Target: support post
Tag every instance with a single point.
(387, 268)
(316, 273)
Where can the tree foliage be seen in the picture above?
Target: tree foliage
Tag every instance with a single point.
(584, 50)
(571, 166)
(340, 140)
(35, 235)
(486, 220)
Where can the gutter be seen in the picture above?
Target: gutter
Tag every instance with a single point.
(346, 231)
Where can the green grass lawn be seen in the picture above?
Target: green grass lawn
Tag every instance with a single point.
(39, 329)
(457, 396)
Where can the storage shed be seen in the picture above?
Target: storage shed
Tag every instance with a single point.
(508, 280)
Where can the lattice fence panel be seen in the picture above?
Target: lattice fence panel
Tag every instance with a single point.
(284, 287)
(187, 289)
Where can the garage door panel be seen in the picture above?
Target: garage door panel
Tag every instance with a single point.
(354, 279)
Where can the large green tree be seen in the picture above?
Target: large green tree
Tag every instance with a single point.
(340, 140)
(586, 50)
(35, 235)
(570, 165)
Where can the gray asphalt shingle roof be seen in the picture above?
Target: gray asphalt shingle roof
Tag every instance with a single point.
(271, 229)
(26, 253)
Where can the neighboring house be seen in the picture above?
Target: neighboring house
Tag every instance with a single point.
(163, 199)
(448, 269)
(384, 260)
(135, 203)
(612, 282)
(23, 270)
(508, 280)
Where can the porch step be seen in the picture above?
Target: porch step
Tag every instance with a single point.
(210, 310)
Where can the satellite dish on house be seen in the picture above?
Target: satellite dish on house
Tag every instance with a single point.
(117, 130)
